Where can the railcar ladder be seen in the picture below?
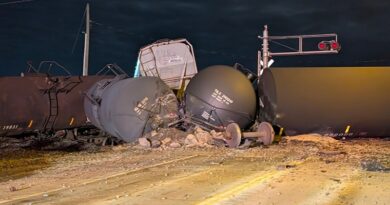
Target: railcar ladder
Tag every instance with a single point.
(53, 111)
(150, 70)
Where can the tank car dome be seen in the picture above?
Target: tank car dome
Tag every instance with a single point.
(220, 95)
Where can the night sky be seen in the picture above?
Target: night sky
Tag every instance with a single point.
(221, 31)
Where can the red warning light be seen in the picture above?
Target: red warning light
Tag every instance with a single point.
(329, 45)
(322, 46)
(335, 45)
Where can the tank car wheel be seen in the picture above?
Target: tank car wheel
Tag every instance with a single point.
(268, 133)
(233, 135)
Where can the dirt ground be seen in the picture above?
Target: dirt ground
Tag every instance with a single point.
(307, 169)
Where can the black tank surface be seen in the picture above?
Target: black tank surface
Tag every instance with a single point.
(220, 95)
(267, 97)
(338, 101)
(128, 108)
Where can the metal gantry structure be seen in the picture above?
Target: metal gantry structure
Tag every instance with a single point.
(325, 47)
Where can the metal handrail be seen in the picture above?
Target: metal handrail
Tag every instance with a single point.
(113, 68)
(51, 63)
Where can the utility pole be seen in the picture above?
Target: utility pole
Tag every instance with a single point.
(265, 47)
(86, 41)
(259, 69)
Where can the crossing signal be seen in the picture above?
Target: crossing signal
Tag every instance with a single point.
(329, 45)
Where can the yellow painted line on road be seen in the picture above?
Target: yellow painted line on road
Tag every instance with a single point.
(14, 200)
(241, 188)
(258, 180)
(335, 192)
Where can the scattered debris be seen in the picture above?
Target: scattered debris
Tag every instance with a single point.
(191, 140)
(203, 137)
(335, 180)
(174, 138)
(153, 133)
(175, 145)
(249, 143)
(12, 189)
(166, 141)
(314, 138)
(215, 134)
(331, 153)
(65, 168)
(285, 166)
(374, 166)
(155, 143)
(144, 142)
(328, 161)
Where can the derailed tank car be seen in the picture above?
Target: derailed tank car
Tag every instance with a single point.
(220, 95)
(338, 101)
(42, 103)
(128, 108)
